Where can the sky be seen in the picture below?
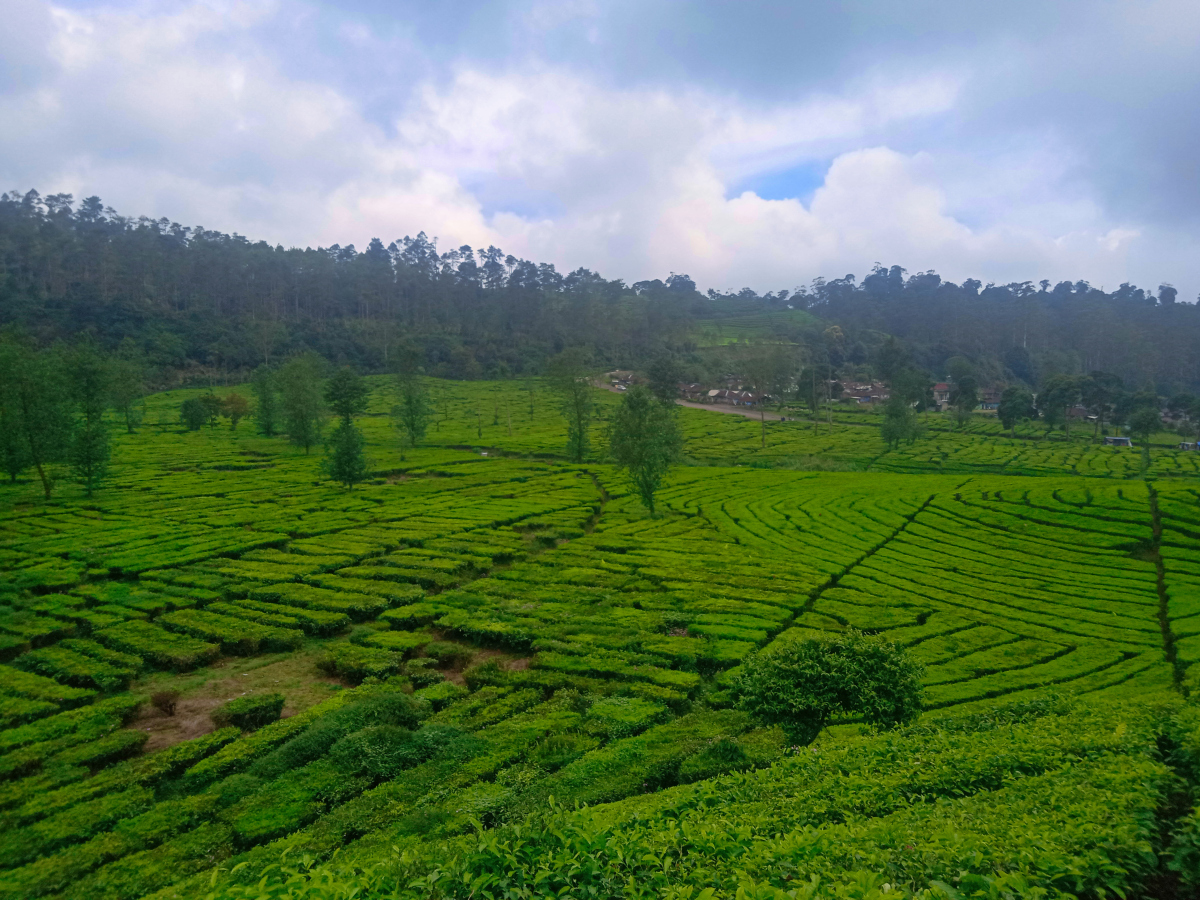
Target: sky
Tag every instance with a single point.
(746, 144)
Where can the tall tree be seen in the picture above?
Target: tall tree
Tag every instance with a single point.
(645, 441)
(1099, 392)
(88, 379)
(1054, 401)
(568, 374)
(412, 413)
(266, 400)
(302, 403)
(346, 393)
(236, 408)
(663, 377)
(127, 384)
(1144, 423)
(1016, 405)
(37, 397)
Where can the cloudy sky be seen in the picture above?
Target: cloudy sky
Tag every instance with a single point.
(747, 144)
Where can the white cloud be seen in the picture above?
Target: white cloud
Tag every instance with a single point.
(184, 114)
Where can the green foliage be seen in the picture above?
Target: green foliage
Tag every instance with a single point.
(193, 414)
(36, 400)
(301, 400)
(344, 460)
(346, 394)
(90, 378)
(413, 411)
(1016, 406)
(249, 713)
(266, 400)
(800, 685)
(644, 440)
(568, 375)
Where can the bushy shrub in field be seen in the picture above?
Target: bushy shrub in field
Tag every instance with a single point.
(800, 685)
(354, 663)
(422, 672)
(720, 757)
(249, 713)
(448, 655)
(619, 717)
(393, 708)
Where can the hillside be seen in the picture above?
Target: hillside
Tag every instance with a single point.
(558, 643)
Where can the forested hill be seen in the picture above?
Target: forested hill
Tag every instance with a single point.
(199, 301)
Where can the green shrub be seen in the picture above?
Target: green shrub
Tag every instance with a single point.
(720, 757)
(799, 685)
(249, 713)
(354, 663)
(618, 717)
(448, 655)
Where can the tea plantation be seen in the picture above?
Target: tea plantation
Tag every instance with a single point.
(488, 673)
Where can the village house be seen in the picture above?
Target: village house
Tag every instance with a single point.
(941, 395)
(1113, 440)
(693, 392)
(1187, 445)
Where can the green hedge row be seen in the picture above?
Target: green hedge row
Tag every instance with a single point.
(158, 647)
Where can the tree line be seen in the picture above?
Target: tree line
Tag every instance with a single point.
(198, 303)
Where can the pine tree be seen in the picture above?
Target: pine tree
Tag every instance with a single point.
(302, 404)
(89, 379)
(266, 400)
(344, 461)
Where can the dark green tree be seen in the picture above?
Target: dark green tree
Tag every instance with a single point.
(127, 384)
(1099, 392)
(644, 441)
(266, 400)
(1016, 405)
(568, 374)
(663, 378)
(346, 393)
(1144, 423)
(890, 360)
(799, 685)
(14, 452)
(344, 460)
(964, 397)
(413, 411)
(214, 408)
(301, 400)
(192, 414)
(37, 398)
(236, 408)
(89, 381)
(1054, 401)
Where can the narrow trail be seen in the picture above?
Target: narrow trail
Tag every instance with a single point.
(1170, 652)
(838, 576)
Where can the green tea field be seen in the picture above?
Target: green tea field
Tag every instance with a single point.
(548, 645)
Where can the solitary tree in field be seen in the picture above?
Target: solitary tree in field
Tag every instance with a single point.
(266, 400)
(301, 402)
(568, 375)
(346, 395)
(644, 440)
(88, 378)
(412, 413)
(214, 408)
(37, 401)
(800, 685)
(663, 378)
(1099, 392)
(1144, 423)
(907, 394)
(1016, 405)
(127, 384)
(14, 454)
(236, 408)
(192, 414)
(1057, 396)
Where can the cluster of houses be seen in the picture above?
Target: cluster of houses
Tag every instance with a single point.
(734, 396)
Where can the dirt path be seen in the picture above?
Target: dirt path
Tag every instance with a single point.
(720, 407)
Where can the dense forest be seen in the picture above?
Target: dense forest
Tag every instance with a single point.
(200, 304)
